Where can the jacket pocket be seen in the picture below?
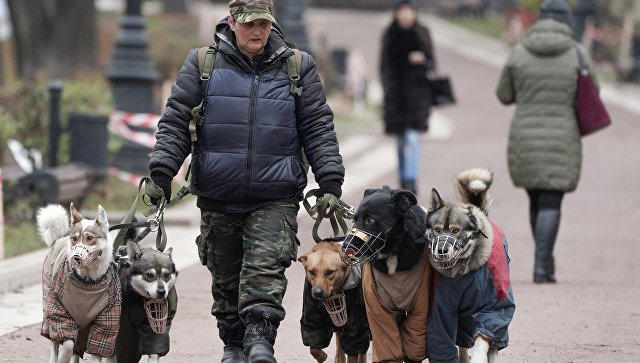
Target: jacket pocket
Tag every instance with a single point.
(288, 249)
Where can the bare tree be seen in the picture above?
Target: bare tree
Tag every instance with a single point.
(56, 37)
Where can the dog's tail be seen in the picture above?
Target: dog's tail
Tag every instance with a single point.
(472, 187)
(53, 223)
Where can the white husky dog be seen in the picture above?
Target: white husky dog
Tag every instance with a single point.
(80, 286)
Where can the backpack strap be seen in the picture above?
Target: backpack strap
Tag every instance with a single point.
(206, 60)
(294, 63)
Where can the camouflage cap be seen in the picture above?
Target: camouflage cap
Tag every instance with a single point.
(244, 11)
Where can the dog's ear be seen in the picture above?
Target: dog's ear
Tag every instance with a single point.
(435, 202)
(368, 192)
(169, 251)
(133, 250)
(75, 215)
(303, 259)
(101, 217)
(404, 200)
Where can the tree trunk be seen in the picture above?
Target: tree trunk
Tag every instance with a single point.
(56, 36)
(74, 38)
(31, 29)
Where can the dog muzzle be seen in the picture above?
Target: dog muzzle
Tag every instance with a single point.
(336, 306)
(360, 246)
(157, 312)
(82, 257)
(445, 250)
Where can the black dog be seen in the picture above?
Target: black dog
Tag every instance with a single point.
(389, 229)
(389, 233)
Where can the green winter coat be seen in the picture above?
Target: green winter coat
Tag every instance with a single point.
(540, 77)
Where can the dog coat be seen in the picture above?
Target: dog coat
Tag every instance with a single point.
(72, 305)
(397, 308)
(317, 328)
(136, 337)
(479, 303)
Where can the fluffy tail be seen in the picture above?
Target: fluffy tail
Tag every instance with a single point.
(472, 187)
(53, 223)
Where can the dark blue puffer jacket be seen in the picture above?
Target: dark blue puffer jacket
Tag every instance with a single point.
(249, 145)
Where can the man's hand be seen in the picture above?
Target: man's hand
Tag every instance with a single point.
(163, 182)
(330, 186)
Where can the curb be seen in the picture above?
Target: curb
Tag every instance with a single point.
(23, 270)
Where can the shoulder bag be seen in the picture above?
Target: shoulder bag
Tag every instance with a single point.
(590, 111)
(441, 89)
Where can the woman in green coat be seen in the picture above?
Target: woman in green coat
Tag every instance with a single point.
(545, 150)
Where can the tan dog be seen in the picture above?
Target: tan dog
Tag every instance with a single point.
(326, 276)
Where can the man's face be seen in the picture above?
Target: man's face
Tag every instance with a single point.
(251, 37)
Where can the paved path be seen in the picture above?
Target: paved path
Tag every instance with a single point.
(591, 315)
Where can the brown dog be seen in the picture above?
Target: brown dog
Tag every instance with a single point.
(328, 276)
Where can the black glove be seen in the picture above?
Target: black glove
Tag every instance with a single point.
(330, 186)
(164, 182)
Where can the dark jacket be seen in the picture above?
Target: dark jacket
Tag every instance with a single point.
(249, 146)
(136, 337)
(479, 303)
(317, 328)
(407, 96)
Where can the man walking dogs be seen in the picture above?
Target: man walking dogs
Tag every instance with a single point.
(248, 168)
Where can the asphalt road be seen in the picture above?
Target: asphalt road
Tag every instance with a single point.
(591, 315)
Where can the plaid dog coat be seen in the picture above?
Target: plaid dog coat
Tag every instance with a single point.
(72, 305)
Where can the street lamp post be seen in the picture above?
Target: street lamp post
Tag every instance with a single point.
(131, 70)
(290, 15)
(132, 76)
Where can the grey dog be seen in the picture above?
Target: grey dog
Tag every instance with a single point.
(472, 302)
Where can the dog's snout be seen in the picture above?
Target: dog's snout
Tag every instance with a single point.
(318, 293)
(77, 258)
(161, 291)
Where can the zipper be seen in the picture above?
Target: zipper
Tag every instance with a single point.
(252, 118)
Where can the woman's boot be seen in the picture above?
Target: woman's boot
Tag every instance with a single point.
(547, 225)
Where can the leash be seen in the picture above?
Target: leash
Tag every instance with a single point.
(328, 206)
(154, 224)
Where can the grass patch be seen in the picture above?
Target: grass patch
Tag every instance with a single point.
(346, 117)
(488, 25)
(112, 194)
(21, 238)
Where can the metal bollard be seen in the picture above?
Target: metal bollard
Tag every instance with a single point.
(1, 220)
(55, 90)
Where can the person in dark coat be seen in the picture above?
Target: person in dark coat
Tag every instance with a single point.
(248, 169)
(407, 56)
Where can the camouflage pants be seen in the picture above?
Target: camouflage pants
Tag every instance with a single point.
(247, 255)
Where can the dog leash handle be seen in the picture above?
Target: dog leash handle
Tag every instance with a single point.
(331, 207)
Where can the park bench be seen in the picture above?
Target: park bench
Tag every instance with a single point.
(62, 184)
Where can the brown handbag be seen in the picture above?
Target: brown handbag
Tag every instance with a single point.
(591, 113)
